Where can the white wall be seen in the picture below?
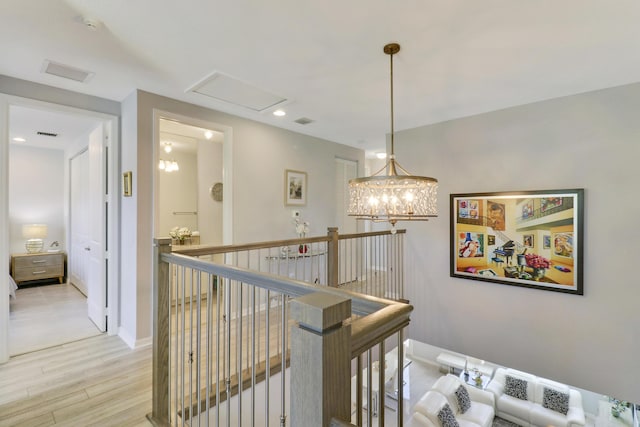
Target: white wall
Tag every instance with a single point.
(128, 227)
(36, 194)
(586, 141)
(209, 210)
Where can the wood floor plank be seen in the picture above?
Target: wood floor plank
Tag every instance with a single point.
(97, 381)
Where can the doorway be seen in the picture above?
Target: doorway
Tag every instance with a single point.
(192, 184)
(57, 212)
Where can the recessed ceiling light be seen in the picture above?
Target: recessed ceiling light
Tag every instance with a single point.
(19, 139)
(279, 113)
(381, 155)
(208, 134)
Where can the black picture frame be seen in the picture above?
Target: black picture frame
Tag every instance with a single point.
(488, 234)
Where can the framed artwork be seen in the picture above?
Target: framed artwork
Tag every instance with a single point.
(493, 236)
(126, 184)
(295, 188)
(527, 240)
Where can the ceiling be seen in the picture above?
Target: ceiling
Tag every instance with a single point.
(458, 57)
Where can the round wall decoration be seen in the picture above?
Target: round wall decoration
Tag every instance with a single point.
(216, 191)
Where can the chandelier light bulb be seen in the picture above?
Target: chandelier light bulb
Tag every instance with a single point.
(161, 165)
(167, 147)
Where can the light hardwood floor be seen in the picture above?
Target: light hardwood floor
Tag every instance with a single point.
(46, 316)
(97, 381)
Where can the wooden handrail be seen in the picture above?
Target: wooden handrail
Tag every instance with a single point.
(214, 250)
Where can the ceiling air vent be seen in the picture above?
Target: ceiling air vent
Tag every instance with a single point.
(51, 134)
(66, 71)
(303, 121)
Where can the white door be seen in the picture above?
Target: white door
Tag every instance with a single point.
(96, 260)
(79, 220)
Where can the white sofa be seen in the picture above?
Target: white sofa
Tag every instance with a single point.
(529, 408)
(479, 414)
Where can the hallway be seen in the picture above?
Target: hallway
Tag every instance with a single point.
(46, 316)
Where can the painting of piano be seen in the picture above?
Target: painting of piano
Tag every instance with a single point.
(523, 238)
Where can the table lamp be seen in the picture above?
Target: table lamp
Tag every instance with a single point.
(34, 233)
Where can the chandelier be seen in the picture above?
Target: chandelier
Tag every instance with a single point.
(168, 165)
(396, 195)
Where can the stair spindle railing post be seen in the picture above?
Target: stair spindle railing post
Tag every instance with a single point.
(320, 360)
(333, 257)
(161, 305)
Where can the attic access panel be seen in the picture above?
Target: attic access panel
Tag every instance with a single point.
(231, 90)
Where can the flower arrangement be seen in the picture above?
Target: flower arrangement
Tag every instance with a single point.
(180, 233)
(537, 261)
(618, 406)
(302, 227)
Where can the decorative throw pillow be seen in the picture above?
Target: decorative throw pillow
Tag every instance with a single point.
(464, 401)
(515, 387)
(446, 417)
(555, 400)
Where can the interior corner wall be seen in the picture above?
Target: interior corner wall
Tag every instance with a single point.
(261, 154)
(585, 141)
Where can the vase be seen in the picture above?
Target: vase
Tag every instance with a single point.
(538, 273)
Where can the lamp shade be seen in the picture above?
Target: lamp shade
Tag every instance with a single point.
(34, 231)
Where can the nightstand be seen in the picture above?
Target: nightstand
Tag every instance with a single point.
(42, 265)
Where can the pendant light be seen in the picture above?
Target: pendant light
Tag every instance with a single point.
(396, 195)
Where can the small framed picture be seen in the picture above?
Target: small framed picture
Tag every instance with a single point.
(126, 184)
(295, 188)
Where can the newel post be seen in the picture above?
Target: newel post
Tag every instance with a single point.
(320, 360)
(332, 257)
(161, 304)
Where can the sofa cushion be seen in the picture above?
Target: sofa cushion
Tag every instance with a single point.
(518, 408)
(515, 387)
(543, 383)
(430, 404)
(464, 401)
(479, 414)
(555, 400)
(447, 386)
(446, 417)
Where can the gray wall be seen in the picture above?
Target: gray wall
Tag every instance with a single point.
(586, 141)
(261, 153)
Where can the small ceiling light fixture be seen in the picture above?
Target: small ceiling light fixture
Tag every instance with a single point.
(398, 195)
(208, 134)
(279, 113)
(19, 139)
(168, 147)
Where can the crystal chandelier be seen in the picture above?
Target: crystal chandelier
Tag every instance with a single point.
(398, 195)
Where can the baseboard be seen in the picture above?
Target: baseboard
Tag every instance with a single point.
(128, 339)
(132, 342)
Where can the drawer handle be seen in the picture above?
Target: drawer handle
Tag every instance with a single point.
(39, 261)
(39, 272)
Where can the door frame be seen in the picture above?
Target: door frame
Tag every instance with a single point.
(227, 167)
(112, 240)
